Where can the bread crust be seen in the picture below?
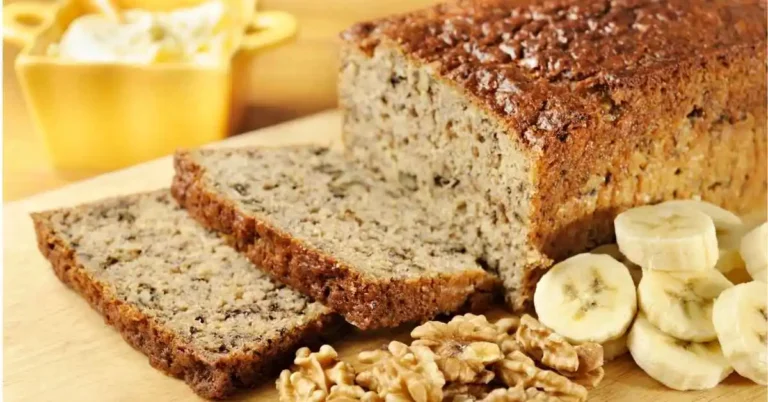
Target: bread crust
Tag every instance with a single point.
(168, 352)
(614, 104)
(578, 117)
(364, 302)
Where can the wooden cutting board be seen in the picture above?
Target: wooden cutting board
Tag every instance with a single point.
(58, 349)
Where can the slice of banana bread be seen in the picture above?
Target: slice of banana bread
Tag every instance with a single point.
(336, 232)
(177, 292)
(536, 122)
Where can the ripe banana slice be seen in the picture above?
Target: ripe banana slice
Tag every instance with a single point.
(754, 251)
(613, 250)
(740, 316)
(722, 218)
(729, 229)
(680, 365)
(587, 298)
(615, 348)
(667, 238)
(680, 303)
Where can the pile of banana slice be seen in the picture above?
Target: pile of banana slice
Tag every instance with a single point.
(662, 294)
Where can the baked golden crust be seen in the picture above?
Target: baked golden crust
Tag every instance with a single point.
(168, 352)
(614, 103)
(693, 129)
(363, 301)
(541, 65)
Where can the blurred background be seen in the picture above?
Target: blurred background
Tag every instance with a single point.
(275, 85)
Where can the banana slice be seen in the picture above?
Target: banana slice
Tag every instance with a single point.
(722, 218)
(680, 303)
(729, 229)
(754, 251)
(613, 250)
(679, 365)
(615, 348)
(740, 316)
(586, 298)
(667, 238)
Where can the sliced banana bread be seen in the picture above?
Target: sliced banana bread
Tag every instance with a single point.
(535, 123)
(336, 232)
(176, 292)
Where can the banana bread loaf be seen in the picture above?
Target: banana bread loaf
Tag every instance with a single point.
(337, 233)
(535, 123)
(176, 292)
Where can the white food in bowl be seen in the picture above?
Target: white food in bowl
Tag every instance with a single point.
(192, 35)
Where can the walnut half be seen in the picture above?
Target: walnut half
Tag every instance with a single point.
(467, 359)
(402, 373)
(590, 371)
(519, 370)
(319, 377)
(464, 347)
(514, 394)
(549, 348)
(484, 393)
(456, 392)
(582, 363)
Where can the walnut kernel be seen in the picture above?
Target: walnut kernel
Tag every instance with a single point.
(402, 373)
(549, 348)
(464, 347)
(314, 375)
(514, 394)
(457, 392)
(518, 369)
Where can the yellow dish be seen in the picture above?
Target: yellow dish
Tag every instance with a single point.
(103, 116)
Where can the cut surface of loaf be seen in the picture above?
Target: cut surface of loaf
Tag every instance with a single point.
(198, 309)
(532, 124)
(336, 232)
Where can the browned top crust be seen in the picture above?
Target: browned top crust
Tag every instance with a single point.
(538, 63)
(596, 90)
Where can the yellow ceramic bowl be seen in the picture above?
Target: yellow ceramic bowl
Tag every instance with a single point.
(98, 117)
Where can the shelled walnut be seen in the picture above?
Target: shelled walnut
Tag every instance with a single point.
(402, 373)
(464, 347)
(517, 369)
(351, 393)
(513, 394)
(537, 395)
(508, 325)
(590, 371)
(545, 346)
(318, 377)
(457, 392)
(507, 334)
(582, 363)
(467, 359)
(485, 393)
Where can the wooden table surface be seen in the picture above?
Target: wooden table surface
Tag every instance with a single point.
(58, 349)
